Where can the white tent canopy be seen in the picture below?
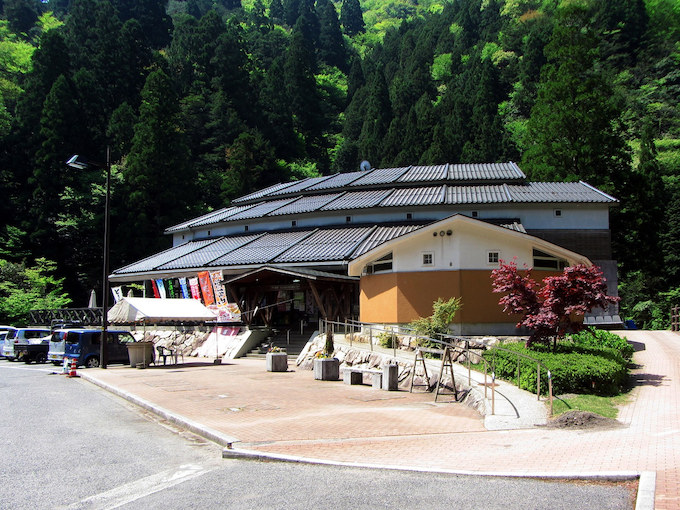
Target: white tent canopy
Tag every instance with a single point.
(151, 311)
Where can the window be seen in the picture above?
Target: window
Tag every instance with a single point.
(428, 259)
(245, 228)
(544, 260)
(475, 214)
(558, 213)
(348, 219)
(293, 223)
(493, 257)
(382, 265)
(409, 216)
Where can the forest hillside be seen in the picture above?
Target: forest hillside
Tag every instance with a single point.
(203, 101)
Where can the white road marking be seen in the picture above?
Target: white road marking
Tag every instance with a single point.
(143, 487)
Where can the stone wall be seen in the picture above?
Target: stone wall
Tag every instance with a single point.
(349, 356)
(186, 343)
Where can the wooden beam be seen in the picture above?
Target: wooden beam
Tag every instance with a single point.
(317, 298)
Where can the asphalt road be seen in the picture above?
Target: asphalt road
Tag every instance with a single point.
(67, 444)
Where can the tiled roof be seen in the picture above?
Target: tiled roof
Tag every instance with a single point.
(425, 173)
(262, 250)
(486, 172)
(564, 192)
(477, 194)
(381, 235)
(357, 200)
(414, 186)
(305, 204)
(152, 262)
(430, 195)
(325, 244)
(205, 255)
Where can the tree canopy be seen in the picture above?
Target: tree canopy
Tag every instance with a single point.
(189, 93)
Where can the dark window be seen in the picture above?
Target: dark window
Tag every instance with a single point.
(544, 260)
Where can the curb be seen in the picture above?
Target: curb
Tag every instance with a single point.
(646, 485)
(195, 427)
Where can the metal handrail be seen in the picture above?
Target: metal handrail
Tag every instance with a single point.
(412, 334)
(404, 331)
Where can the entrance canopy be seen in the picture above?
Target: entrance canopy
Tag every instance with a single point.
(131, 310)
(333, 294)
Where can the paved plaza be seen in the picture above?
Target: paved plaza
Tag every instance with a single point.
(289, 414)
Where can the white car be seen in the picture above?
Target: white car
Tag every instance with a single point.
(19, 336)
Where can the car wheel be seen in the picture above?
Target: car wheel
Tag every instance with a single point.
(41, 358)
(56, 363)
(92, 362)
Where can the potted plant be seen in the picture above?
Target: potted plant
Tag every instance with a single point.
(277, 360)
(327, 368)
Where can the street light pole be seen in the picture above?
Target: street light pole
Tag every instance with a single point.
(75, 162)
(105, 274)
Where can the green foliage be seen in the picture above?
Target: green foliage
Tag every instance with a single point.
(601, 338)
(604, 406)
(443, 314)
(29, 288)
(387, 339)
(574, 369)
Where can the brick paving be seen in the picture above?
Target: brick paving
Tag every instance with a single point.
(291, 414)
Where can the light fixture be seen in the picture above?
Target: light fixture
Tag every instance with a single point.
(80, 163)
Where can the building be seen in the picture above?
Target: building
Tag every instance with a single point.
(381, 245)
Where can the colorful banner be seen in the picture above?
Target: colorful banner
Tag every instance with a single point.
(228, 312)
(185, 289)
(195, 288)
(154, 287)
(218, 289)
(206, 288)
(161, 288)
(171, 289)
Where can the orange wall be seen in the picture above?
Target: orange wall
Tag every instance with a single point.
(403, 297)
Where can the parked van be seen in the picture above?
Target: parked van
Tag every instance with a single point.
(21, 336)
(83, 346)
(3, 333)
(55, 354)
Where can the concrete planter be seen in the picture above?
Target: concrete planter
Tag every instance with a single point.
(327, 369)
(277, 362)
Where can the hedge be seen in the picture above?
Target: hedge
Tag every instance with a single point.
(574, 368)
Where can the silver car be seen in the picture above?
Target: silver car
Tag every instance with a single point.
(20, 336)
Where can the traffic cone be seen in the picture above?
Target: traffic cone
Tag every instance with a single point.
(73, 373)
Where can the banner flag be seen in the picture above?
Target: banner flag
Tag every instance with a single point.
(161, 288)
(185, 289)
(206, 288)
(195, 288)
(154, 287)
(218, 288)
(117, 293)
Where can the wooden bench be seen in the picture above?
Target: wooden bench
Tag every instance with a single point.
(352, 375)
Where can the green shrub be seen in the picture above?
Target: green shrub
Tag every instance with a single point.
(387, 339)
(601, 338)
(574, 369)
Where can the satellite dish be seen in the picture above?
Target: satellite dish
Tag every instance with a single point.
(364, 166)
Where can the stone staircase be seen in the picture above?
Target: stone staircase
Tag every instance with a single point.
(292, 344)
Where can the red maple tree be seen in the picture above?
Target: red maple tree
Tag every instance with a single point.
(555, 308)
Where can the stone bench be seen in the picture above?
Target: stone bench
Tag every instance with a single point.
(387, 378)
